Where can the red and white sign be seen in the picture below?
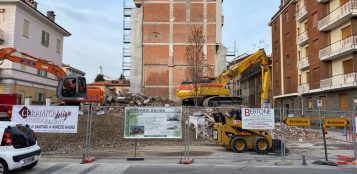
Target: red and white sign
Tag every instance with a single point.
(257, 118)
(47, 119)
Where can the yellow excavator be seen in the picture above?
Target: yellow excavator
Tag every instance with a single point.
(212, 92)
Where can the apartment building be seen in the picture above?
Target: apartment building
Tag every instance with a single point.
(28, 30)
(160, 31)
(314, 54)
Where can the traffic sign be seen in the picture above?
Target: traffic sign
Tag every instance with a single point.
(297, 121)
(337, 122)
(319, 103)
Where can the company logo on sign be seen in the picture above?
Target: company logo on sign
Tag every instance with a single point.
(249, 112)
(24, 112)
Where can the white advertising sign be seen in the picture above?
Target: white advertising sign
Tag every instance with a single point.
(257, 118)
(153, 122)
(47, 119)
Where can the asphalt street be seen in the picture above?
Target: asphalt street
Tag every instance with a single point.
(58, 166)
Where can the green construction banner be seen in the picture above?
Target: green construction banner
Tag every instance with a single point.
(153, 122)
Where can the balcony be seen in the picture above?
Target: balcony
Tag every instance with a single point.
(301, 15)
(338, 16)
(323, 1)
(339, 48)
(303, 63)
(339, 81)
(1, 37)
(304, 88)
(302, 39)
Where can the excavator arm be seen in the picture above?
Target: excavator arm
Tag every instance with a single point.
(71, 89)
(8, 54)
(238, 68)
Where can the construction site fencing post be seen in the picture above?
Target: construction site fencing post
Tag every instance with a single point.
(186, 118)
(87, 145)
(354, 125)
(282, 139)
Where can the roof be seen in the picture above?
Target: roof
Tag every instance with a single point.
(111, 83)
(74, 69)
(282, 7)
(40, 15)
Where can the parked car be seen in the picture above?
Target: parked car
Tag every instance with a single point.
(19, 148)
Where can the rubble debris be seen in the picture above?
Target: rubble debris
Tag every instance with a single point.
(296, 134)
(112, 98)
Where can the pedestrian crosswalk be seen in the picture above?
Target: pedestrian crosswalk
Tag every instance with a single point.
(74, 168)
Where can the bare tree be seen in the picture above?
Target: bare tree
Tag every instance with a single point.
(197, 63)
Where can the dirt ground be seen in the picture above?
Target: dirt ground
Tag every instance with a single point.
(107, 133)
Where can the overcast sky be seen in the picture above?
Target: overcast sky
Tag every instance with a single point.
(96, 28)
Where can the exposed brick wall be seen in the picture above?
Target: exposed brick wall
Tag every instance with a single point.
(317, 40)
(276, 72)
(156, 49)
(290, 50)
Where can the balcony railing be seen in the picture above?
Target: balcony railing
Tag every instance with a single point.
(302, 39)
(339, 81)
(301, 14)
(323, 1)
(339, 48)
(338, 16)
(304, 88)
(303, 63)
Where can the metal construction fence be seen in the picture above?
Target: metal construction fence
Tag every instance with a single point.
(101, 134)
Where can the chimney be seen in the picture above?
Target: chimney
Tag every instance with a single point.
(51, 15)
(32, 3)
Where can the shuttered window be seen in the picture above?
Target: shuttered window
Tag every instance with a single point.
(343, 102)
(26, 28)
(343, 2)
(347, 66)
(346, 32)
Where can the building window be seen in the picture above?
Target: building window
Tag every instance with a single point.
(323, 100)
(343, 102)
(307, 51)
(41, 97)
(288, 80)
(287, 17)
(342, 2)
(307, 77)
(347, 66)
(41, 73)
(346, 32)
(288, 59)
(287, 36)
(314, 20)
(275, 26)
(276, 66)
(45, 41)
(299, 79)
(299, 55)
(25, 30)
(309, 103)
(58, 46)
